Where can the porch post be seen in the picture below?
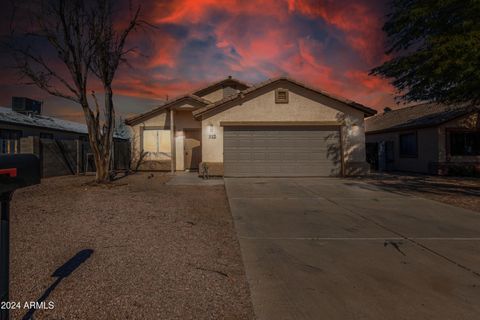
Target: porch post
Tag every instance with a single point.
(172, 141)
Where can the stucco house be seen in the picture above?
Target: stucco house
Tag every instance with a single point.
(427, 138)
(279, 127)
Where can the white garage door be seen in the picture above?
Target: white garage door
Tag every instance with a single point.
(281, 151)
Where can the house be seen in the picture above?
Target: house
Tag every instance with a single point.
(280, 127)
(426, 138)
(61, 145)
(15, 124)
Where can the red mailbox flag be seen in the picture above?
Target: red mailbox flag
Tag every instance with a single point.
(12, 172)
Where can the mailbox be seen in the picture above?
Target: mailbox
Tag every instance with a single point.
(16, 171)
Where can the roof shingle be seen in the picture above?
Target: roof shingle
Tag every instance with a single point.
(421, 115)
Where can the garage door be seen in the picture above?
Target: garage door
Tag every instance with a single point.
(281, 151)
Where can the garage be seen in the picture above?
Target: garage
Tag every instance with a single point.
(281, 151)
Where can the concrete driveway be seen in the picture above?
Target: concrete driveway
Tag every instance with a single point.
(342, 249)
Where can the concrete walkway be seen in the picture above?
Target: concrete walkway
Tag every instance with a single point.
(192, 179)
(340, 249)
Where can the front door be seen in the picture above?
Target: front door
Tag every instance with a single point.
(192, 149)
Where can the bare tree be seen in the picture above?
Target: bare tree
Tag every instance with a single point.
(86, 42)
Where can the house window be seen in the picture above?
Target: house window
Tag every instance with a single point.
(157, 141)
(465, 143)
(10, 141)
(408, 145)
(281, 96)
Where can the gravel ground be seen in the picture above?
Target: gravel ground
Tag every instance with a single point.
(462, 192)
(159, 252)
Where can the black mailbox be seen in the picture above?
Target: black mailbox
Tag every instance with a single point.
(16, 171)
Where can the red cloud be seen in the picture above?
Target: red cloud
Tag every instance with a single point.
(261, 38)
(361, 25)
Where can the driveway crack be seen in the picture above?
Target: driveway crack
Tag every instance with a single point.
(432, 251)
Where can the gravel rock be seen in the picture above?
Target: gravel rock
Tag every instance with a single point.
(159, 251)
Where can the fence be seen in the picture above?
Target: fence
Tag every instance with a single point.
(67, 157)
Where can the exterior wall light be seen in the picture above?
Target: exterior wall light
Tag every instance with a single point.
(211, 129)
(211, 132)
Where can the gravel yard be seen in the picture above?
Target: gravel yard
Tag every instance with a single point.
(462, 192)
(144, 250)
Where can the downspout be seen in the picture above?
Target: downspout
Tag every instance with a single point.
(172, 141)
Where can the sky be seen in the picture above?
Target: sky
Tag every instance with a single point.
(327, 44)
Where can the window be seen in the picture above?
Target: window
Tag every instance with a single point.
(156, 141)
(465, 143)
(408, 145)
(10, 141)
(281, 96)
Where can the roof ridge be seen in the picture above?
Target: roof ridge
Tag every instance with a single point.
(400, 109)
(229, 78)
(283, 78)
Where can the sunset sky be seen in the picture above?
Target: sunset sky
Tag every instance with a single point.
(329, 44)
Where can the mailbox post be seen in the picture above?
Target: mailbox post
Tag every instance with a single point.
(16, 171)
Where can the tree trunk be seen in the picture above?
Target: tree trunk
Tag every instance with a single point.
(100, 144)
(102, 174)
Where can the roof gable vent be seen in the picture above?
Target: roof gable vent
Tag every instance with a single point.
(281, 96)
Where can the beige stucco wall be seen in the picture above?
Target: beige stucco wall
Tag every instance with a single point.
(427, 149)
(471, 122)
(303, 106)
(183, 120)
(432, 145)
(214, 96)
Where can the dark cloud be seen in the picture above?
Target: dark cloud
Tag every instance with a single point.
(329, 44)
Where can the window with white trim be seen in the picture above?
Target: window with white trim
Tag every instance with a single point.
(157, 141)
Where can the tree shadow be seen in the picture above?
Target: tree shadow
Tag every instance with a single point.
(401, 182)
(61, 273)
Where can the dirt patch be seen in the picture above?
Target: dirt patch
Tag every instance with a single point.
(141, 250)
(457, 191)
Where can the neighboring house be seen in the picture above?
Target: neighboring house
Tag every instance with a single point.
(277, 128)
(15, 125)
(61, 145)
(427, 138)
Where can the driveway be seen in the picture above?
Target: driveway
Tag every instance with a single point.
(344, 249)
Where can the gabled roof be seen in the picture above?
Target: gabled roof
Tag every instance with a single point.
(7, 115)
(418, 116)
(220, 84)
(242, 94)
(169, 104)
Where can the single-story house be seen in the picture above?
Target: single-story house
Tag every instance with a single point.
(15, 125)
(280, 127)
(426, 138)
(61, 145)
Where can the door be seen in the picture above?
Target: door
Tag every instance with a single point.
(281, 151)
(192, 154)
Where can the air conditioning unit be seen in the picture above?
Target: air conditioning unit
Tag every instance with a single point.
(26, 106)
